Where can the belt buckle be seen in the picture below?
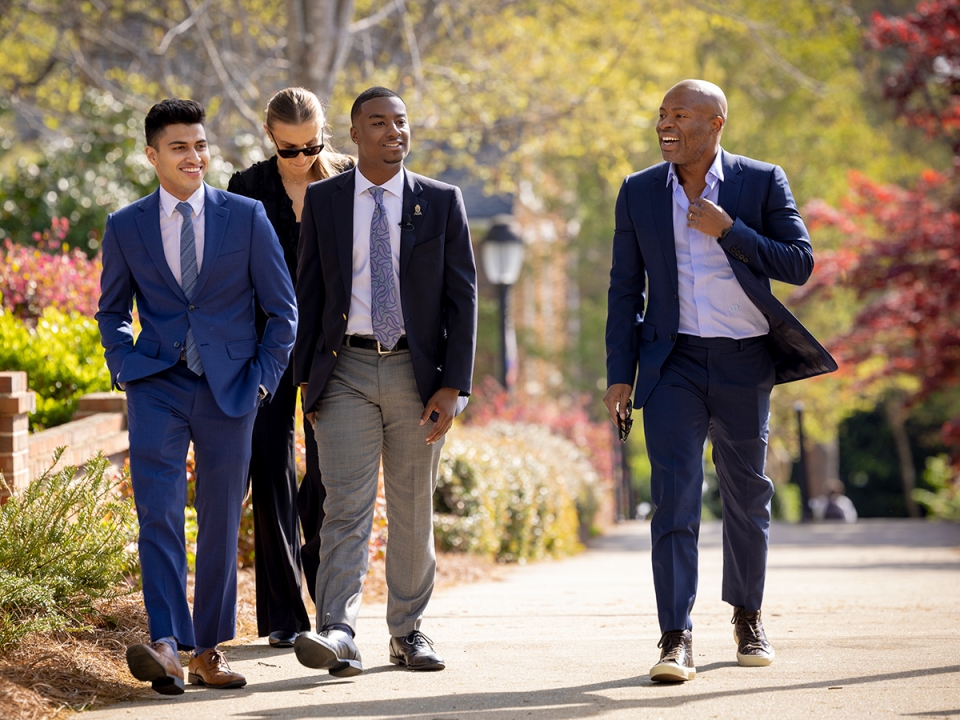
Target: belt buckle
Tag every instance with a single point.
(381, 351)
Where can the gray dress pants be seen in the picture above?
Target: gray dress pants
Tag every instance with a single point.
(370, 410)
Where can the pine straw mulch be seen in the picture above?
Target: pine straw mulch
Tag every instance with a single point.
(51, 675)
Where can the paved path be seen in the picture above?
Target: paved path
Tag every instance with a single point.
(865, 620)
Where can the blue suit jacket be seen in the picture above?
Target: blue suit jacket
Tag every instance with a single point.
(438, 284)
(241, 259)
(768, 240)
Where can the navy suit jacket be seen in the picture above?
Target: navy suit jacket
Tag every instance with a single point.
(768, 240)
(241, 259)
(438, 284)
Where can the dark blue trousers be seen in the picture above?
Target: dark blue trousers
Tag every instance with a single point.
(718, 387)
(165, 412)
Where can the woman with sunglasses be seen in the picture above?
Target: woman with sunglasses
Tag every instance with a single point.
(294, 123)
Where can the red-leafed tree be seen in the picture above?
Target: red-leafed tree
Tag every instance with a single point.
(901, 249)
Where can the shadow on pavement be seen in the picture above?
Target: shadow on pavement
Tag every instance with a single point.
(555, 704)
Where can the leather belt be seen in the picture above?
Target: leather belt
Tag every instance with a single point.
(365, 343)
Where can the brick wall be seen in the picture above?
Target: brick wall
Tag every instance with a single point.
(99, 425)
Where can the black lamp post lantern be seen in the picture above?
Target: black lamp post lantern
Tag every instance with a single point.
(502, 254)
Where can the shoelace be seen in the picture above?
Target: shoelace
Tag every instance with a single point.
(418, 638)
(749, 630)
(218, 659)
(672, 644)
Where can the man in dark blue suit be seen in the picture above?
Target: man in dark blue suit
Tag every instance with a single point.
(386, 285)
(193, 259)
(693, 326)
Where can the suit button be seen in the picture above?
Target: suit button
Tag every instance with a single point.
(344, 316)
(176, 344)
(192, 308)
(673, 337)
(334, 353)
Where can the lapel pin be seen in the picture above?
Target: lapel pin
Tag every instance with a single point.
(416, 210)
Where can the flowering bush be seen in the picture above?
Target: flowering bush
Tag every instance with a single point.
(49, 275)
(566, 417)
(511, 491)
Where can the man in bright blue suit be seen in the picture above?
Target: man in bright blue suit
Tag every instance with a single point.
(194, 259)
(693, 326)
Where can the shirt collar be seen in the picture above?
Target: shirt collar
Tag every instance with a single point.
(394, 185)
(168, 203)
(714, 174)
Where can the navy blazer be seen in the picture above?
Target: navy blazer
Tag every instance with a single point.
(438, 284)
(241, 257)
(768, 240)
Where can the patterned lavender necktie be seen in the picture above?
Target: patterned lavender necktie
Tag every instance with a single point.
(383, 293)
(188, 280)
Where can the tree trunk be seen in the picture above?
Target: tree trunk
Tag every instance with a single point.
(318, 32)
(897, 417)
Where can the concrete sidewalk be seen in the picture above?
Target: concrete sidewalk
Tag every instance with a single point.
(865, 620)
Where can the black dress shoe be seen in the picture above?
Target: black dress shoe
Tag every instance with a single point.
(753, 648)
(282, 639)
(415, 651)
(332, 650)
(676, 658)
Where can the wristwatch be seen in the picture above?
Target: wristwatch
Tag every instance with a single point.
(724, 232)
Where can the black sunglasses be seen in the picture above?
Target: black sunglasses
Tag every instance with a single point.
(290, 153)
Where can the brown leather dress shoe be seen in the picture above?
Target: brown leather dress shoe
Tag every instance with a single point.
(676, 658)
(753, 648)
(210, 668)
(158, 664)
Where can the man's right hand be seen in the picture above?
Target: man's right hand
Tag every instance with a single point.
(616, 398)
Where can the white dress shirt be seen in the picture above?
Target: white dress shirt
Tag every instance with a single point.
(359, 321)
(712, 302)
(170, 223)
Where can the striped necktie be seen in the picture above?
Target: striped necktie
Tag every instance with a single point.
(384, 311)
(188, 275)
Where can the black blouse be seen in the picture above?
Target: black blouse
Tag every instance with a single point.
(262, 182)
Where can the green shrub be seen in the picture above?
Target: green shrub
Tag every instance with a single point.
(787, 504)
(62, 357)
(512, 491)
(943, 502)
(65, 541)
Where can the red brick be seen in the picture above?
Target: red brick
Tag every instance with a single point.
(12, 381)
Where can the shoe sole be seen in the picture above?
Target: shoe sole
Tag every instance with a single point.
(144, 666)
(315, 655)
(397, 660)
(197, 680)
(280, 643)
(754, 660)
(671, 673)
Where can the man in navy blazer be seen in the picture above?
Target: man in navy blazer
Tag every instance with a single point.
(693, 327)
(193, 259)
(386, 285)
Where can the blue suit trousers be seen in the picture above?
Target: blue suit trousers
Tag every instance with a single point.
(165, 412)
(716, 387)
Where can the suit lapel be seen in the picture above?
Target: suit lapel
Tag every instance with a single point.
(729, 195)
(214, 226)
(148, 222)
(414, 207)
(661, 199)
(342, 201)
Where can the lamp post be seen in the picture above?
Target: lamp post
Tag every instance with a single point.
(802, 478)
(502, 255)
